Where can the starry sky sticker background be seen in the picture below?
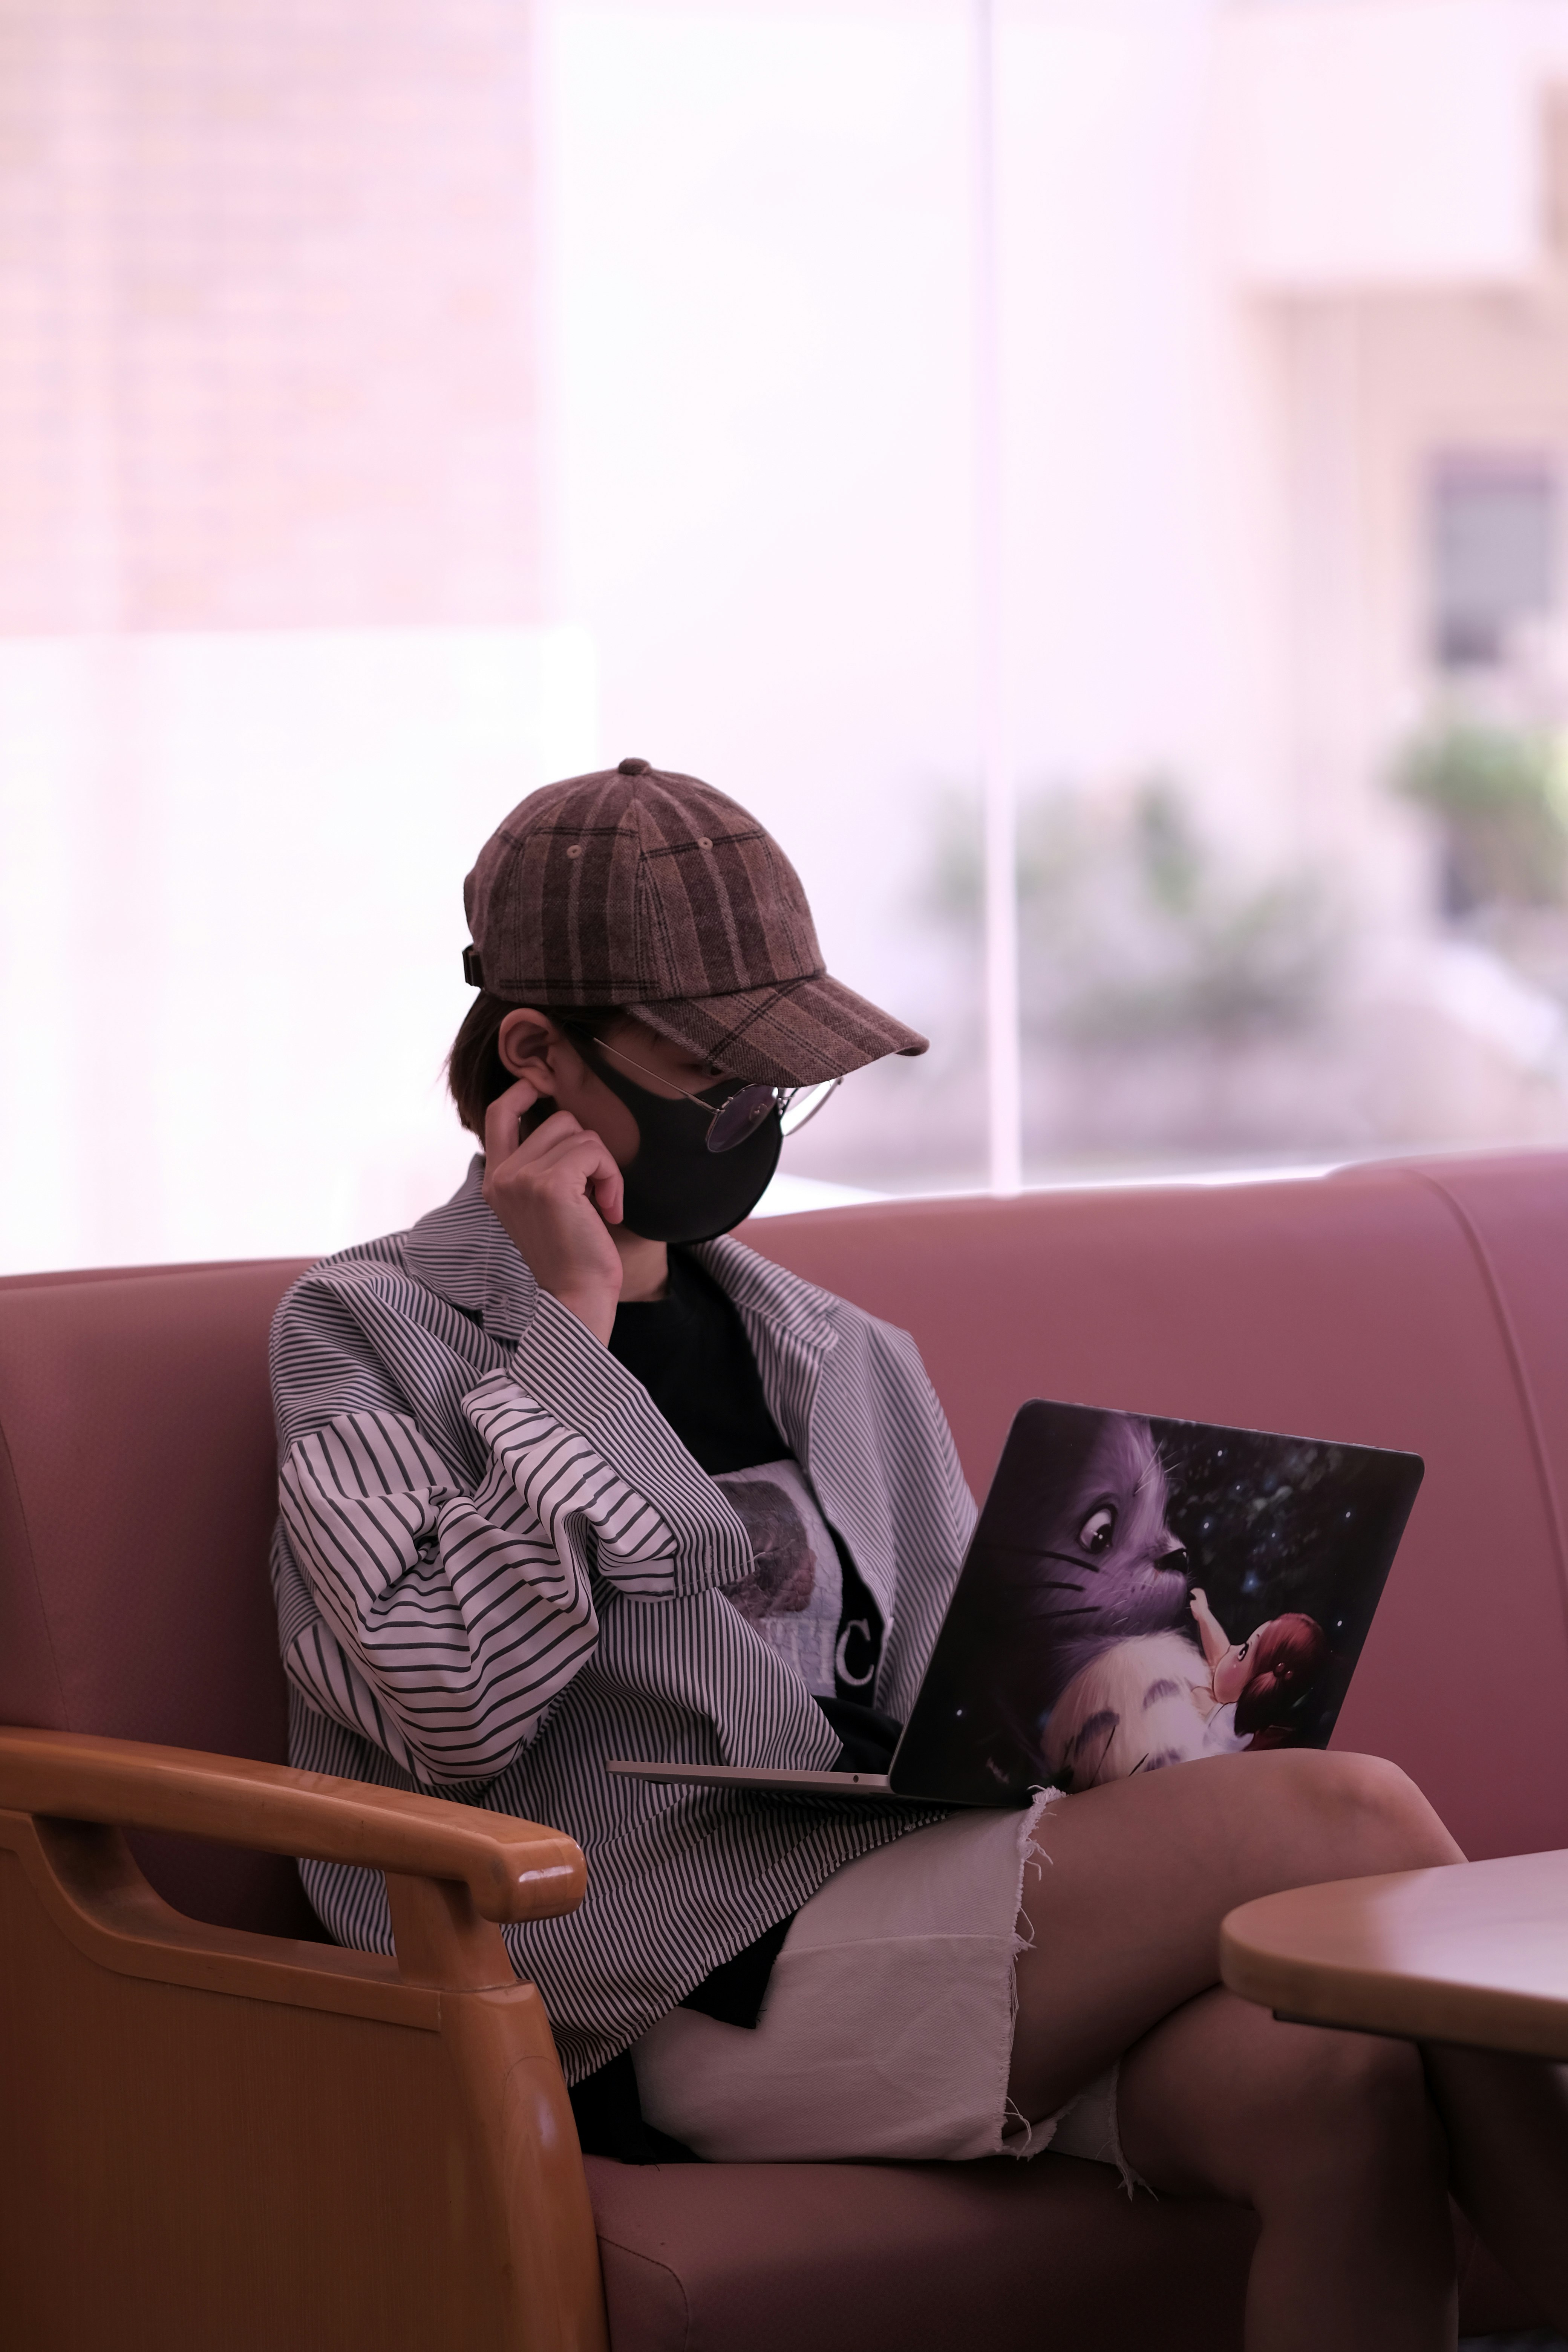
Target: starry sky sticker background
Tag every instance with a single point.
(1274, 1524)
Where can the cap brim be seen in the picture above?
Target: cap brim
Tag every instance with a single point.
(795, 1034)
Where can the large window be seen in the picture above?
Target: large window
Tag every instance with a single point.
(1152, 438)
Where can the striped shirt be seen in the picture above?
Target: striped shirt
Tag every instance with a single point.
(496, 1566)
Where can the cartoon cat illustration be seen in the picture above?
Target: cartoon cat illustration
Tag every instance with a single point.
(1153, 1699)
(1105, 1563)
(1134, 1706)
(1097, 1566)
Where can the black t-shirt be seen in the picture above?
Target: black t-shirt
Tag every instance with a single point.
(691, 1351)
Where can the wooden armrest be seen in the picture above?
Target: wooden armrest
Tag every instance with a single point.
(513, 1869)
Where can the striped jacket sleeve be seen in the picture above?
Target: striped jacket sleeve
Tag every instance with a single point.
(436, 1598)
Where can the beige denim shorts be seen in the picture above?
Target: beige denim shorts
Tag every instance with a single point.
(887, 2027)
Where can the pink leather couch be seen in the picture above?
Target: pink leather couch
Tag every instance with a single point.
(1420, 1305)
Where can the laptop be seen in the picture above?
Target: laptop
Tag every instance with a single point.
(1138, 1593)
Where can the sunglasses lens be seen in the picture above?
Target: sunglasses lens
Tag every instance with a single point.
(741, 1117)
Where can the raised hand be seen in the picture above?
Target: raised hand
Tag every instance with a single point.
(557, 1194)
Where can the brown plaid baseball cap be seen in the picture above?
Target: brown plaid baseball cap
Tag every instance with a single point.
(652, 892)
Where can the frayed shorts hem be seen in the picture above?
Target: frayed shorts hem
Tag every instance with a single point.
(887, 2033)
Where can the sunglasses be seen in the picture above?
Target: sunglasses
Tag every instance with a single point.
(740, 1114)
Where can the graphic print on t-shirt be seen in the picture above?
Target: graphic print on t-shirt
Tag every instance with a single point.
(794, 1595)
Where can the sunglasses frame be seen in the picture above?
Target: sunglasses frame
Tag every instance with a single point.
(779, 1099)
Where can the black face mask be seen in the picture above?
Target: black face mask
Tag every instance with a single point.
(676, 1189)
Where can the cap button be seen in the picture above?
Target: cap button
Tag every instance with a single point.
(632, 767)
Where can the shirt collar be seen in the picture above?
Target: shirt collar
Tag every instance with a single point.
(769, 1296)
(463, 1252)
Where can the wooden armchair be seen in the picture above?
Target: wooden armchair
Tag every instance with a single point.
(216, 2128)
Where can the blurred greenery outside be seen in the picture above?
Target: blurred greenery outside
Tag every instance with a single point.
(1499, 796)
(1180, 1013)
(1129, 934)
(1132, 932)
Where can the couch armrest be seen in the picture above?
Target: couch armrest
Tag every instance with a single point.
(513, 1869)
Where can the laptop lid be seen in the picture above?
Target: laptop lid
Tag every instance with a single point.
(1139, 1591)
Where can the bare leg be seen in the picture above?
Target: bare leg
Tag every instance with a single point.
(1330, 2138)
(1125, 1915)
(1138, 1875)
(1507, 2123)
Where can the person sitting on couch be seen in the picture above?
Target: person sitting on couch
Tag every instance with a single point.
(567, 1472)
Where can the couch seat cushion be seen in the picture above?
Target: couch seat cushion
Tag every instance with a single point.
(889, 2258)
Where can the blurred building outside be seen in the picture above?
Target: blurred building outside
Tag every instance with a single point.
(1291, 937)
(407, 404)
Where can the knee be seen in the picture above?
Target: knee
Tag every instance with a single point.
(1355, 2110)
(1372, 1813)
(1362, 2081)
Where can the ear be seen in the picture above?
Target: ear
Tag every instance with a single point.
(528, 1042)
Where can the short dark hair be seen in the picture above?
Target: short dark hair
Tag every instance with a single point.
(476, 1074)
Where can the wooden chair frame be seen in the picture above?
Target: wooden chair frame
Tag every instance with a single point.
(202, 2121)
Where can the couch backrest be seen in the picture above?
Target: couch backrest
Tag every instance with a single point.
(1418, 1304)
(137, 1493)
